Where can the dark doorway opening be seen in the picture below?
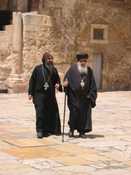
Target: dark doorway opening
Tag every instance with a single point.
(5, 18)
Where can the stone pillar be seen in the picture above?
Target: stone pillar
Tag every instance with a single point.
(22, 5)
(18, 41)
(16, 80)
(34, 5)
(41, 5)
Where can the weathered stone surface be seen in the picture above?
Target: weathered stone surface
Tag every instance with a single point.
(64, 27)
(106, 151)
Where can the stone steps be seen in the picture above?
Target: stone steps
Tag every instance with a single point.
(9, 28)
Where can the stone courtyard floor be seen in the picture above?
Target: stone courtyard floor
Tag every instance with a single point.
(105, 151)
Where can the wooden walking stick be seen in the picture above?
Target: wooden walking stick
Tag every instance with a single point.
(64, 117)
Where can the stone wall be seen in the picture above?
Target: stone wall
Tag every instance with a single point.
(36, 39)
(72, 22)
(116, 53)
(3, 4)
(63, 28)
(5, 52)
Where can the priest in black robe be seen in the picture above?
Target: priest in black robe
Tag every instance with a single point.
(80, 87)
(43, 82)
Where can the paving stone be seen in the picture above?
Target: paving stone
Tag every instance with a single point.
(31, 142)
(83, 170)
(42, 163)
(106, 151)
(17, 169)
(34, 152)
(112, 172)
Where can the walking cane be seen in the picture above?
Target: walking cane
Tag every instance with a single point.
(64, 117)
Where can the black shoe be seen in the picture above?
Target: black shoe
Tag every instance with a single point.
(39, 135)
(46, 134)
(71, 133)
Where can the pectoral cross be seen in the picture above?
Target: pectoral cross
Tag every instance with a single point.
(82, 83)
(46, 86)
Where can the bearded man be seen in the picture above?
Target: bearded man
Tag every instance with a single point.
(43, 82)
(81, 91)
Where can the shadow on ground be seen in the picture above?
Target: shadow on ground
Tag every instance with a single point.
(90, 136)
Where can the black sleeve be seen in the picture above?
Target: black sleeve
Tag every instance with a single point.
(32, 81)
(93, 89)
(66, 77)
(57, 80)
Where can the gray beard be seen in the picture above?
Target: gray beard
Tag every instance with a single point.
(82, 70)
(49, 67)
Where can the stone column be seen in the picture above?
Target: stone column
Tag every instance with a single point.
(16, 81)
(22, 5)
(34, 5)
(18, 41)
(41, 5)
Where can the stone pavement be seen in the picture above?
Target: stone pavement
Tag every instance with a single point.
(105, 151)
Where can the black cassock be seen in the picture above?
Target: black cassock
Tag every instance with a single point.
(42, 88)
(80, 99)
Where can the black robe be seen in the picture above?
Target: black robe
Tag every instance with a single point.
(47, 113)
(80, 100)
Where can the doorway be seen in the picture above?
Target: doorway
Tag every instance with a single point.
(5, 18)
(97, 63)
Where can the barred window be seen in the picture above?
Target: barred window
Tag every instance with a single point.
(99, 33)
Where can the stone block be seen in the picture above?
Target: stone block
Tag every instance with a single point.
(30, 19)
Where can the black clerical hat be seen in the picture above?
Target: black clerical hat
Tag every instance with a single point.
(81, 55)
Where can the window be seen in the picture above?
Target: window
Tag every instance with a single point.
(99, 33)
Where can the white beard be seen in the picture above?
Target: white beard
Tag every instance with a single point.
(82, 70)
